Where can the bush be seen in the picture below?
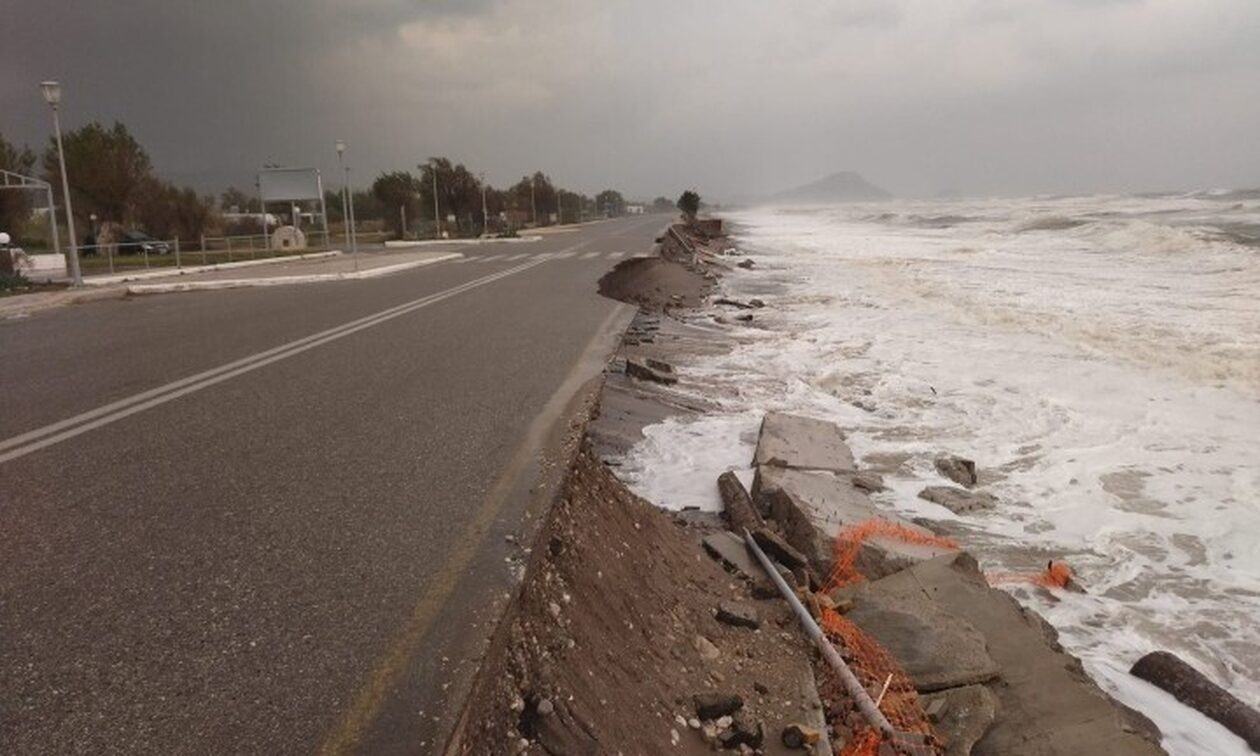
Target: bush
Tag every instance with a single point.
(12, 281)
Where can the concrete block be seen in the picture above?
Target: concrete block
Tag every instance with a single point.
(812, 507)
(1049, 706)
(803, 443)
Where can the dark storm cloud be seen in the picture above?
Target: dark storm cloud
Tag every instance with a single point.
(736, 97)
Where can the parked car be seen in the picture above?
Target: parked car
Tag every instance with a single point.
(138, 242)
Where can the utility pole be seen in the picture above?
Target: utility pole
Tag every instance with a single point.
(402, 217)
(52, 95)
(559, 209)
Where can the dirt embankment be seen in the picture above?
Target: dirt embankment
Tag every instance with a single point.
(679, 276)
(614, 641)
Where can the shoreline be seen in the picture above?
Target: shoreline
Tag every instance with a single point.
(639, 390)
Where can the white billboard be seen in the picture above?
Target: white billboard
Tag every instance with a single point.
(289, 184)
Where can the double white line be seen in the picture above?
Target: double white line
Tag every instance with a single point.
(40, 438)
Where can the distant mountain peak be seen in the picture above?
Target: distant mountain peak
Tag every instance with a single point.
(843, 186)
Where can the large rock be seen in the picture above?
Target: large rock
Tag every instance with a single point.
(961, 471)
(811, 508)
(803, 443)
(714, 705)
(958, 500)
(1191, 687)
(1049, 706)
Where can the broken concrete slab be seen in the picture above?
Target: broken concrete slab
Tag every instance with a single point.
(779, 550)
(803, 443)
(732, 552)
(1048, 704)
(814, 715)
(958, 500)
(961, 471)
(636, 368)
(737, 506)
(937, 649)
(813, 507)
(870, 482)
(961, 716)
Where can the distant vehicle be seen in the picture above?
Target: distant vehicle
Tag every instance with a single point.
(138, 242)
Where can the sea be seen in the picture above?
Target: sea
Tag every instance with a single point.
(1097, 356)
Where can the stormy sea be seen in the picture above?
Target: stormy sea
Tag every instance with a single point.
(1097, 356)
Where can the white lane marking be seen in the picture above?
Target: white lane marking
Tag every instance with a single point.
(516, 257)
(590, 255)
(18, 446)
(616, 255)
(564, 255)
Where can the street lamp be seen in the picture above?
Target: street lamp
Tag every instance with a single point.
(437, 218)
(533, 203)
(52, 95)
(485, 214)
(347, 205)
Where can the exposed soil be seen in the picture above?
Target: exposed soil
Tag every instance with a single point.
(655, 283)
(614, 632)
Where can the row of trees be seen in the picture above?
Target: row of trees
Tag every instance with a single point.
(466, 201)
(112, 178)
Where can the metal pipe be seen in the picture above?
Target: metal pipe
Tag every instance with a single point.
(851, 684)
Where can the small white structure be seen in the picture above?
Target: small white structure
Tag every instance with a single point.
(634, 209)
(50, 267)
(288, 237)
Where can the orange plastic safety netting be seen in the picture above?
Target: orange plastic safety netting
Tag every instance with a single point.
(875, 668)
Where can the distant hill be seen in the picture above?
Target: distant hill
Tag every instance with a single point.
(845, 186)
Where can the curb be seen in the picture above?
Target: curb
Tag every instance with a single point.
(173, 272)
(243, 283)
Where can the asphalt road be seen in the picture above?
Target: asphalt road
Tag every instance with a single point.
(272, 520)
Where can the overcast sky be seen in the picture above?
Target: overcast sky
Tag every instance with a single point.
(733, 97)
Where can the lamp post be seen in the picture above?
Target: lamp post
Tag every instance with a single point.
(485, 213)
(559, 208)
(52, 95)
(347, 205)
(437, 218)
(533, 203)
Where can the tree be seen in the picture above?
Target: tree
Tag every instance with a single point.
(106, 169)
(15, 205)
(394, 190)
(662, 205)
(689, 203)
(235, 198)
(534, 192)
(610, 203)
(167, 211)
(458, 190)
(572, 203)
